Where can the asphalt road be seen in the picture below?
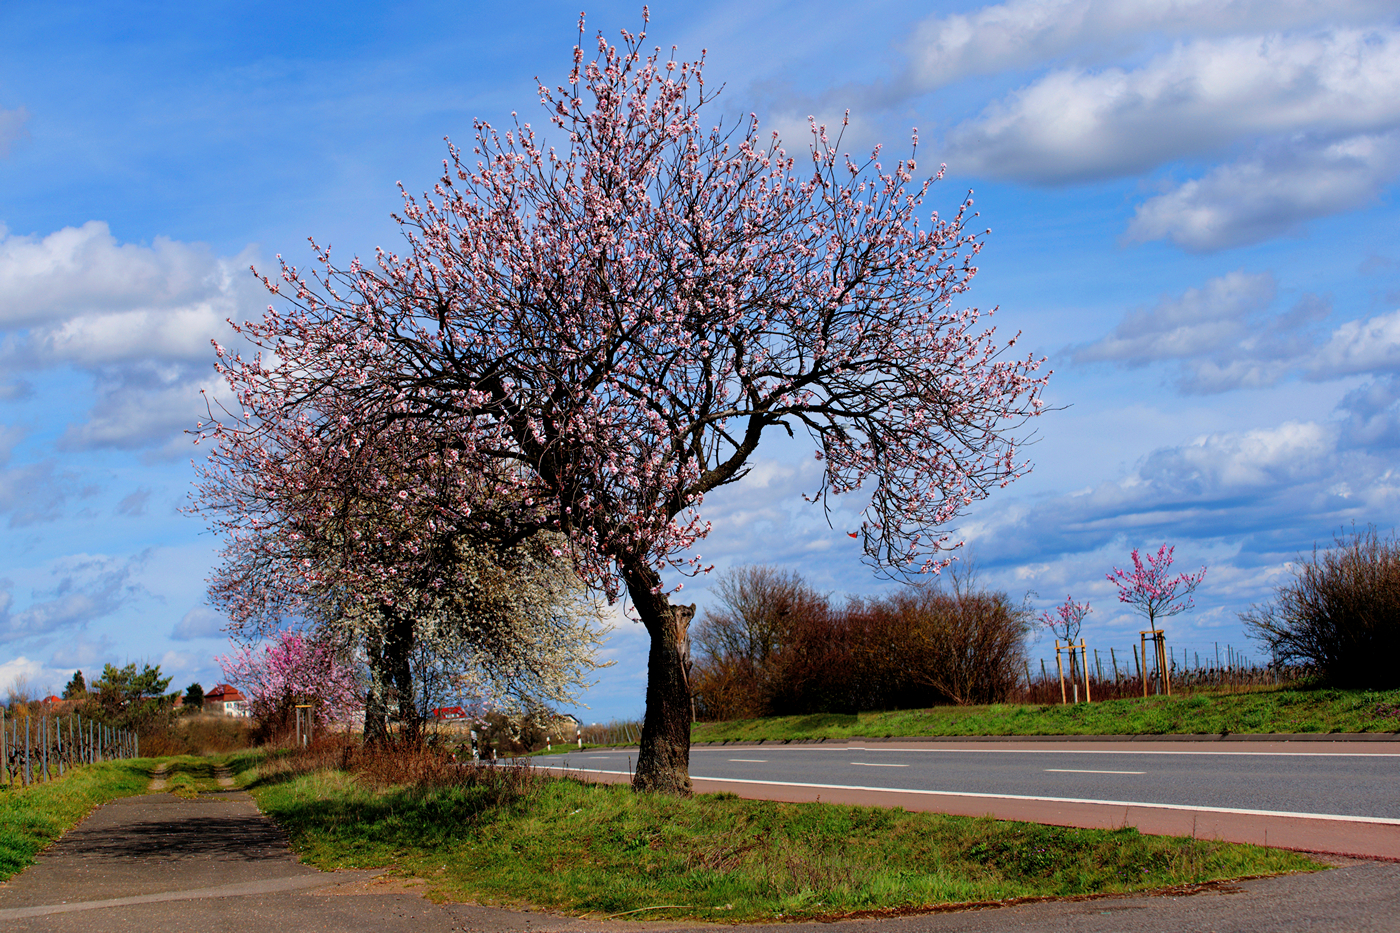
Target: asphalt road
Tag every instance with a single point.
(1345, 781)
(160, 863)
(1333, 797)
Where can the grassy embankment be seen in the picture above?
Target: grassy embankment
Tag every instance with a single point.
(1260, 711)
(512, 838)
(33, 817)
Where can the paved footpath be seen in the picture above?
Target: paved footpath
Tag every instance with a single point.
(160, 863)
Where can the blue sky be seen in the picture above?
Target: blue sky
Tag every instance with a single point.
(1193, 215)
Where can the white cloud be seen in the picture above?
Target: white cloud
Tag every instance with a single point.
(142, 407)
(1223, 333)
(138, 319)
(82, 270)
(1024, 33)
(88, 588)
(199, 622)
(1292, 482)
(1074, 125)
(1199, 321)
(1372, 345)
(12, 123)
(1272, 193)
(19, 675)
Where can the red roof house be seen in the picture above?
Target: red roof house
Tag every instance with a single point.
(225, 700)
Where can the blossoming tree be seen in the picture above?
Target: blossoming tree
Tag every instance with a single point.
(601, 327)
(1065, 622)
(1152, 590)
(294, 669)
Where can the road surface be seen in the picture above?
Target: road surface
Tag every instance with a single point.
(1338, 797)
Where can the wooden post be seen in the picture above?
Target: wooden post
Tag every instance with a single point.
(1142, 665)
(1084, 657)
(1060, 668)
(1162, 659)
(1114, 658)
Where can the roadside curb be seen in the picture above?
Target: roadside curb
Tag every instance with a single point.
(1173, 737)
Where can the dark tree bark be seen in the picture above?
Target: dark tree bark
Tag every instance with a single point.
(390, 679)
(663, 764)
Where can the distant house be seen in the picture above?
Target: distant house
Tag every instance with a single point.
(225, 700)
(51, 701)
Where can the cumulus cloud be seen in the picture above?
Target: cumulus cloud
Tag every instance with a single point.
(1198, 321)
(1278, 487)
(1368, 346)
(1226, 337)
(1223, 333)
(18, 676)
(1274, 192)
(1074, 126)
(137, 318)
(84, 270)
(12, 128)
(140, 407)
(1372, 415)
(1023, 33)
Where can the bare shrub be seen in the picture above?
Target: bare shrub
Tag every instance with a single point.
(776, 647)
(1341, 613)
(969, 646)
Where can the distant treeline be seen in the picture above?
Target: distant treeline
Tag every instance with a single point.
(774, 646)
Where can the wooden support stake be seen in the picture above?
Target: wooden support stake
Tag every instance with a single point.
(1060, 668)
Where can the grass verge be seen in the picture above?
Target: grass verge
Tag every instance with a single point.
(1263, 711)
(508, 837)
(189, 776)
(33, 817)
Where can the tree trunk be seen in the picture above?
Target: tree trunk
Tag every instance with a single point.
(663, 764)
(390, 678)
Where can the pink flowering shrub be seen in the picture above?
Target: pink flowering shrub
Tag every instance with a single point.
(292, 670)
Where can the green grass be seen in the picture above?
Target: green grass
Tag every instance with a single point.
(189, 776)
(605, 851)
(1263, 711)
(34, 817)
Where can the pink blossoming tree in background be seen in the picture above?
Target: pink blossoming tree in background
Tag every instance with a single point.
(1065, 622)
(599, 328)
(1066, 619)
(1152, 590)
(294, 669)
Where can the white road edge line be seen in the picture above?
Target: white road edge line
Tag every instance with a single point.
(1060, 751)
(1087, 771)
(1381, 820)
(877, 764)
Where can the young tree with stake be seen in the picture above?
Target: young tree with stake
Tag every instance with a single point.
(605, 324)
(1152, 590)
(1065, 623)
